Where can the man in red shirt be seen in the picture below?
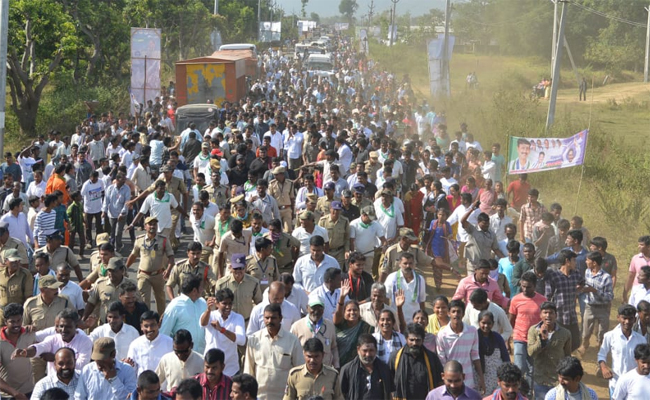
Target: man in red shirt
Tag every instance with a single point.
(525, 312)
(519, 190)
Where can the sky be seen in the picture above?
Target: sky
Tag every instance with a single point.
(327, 8)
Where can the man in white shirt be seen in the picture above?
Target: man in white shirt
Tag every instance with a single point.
(389, 216)
(307, 230)
(293, 141)
(16, 222)
(294, 294)
(479, 302)
(224, 328)
(146, 351)
(447, 179)
(159, 204)
(345, 154)
(37, 186)
(366, 234)
(92, 191)
(330, 291)
(409, 284)
(275, 294)
(115, 328)
(276, 139)
(203, 229)
(499, 220)
(489, 167)
(70, 289)
(309, 270)
(634, 384)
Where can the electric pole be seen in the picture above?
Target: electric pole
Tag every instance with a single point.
(445, 51)
(550, 117)
(647, 48)
(371, 12)
(554, 46)
(4, 33)
(393, 27)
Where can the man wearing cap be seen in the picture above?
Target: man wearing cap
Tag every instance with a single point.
(307, 230)
(17, 282)
(358, 198)
(310, 205)
(99, 259)
(283, 191)
(192, 266)
(106, 288)
(176, 187)
(238, 175)
(372, 166)
(267, 205)
(324, 203)
(262, 265)
(314, 325)
(202, 160)
(246, 288)
(408, 243)
(155, 252)
(8, 242)
(106, 377)
(58, 253)
(349, 210)
(338, 230)
(367, 238)
(41, 310)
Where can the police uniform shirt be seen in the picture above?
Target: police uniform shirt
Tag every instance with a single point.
(152, 252)
(105, 293)
(184, 270)
(339, 232)
(283, 192)
(265, 271)
(13, 243)
(41, 315)
(61, 255)
(247, 293)
(390, 259)
(15, 288)
(176, 187)
(301, 384)
(282, 249)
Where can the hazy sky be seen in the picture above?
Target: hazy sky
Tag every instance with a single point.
(326, 8)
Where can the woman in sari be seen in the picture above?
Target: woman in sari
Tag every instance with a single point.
(414, 213)
(488, 197)
(470, 187)
(349, 325)
(491, 349)
(438, 244)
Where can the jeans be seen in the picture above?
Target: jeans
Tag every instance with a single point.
(522, 359)
(541, 390)
(116, 229)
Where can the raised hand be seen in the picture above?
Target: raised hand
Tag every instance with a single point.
(346, 287)
(400, 298)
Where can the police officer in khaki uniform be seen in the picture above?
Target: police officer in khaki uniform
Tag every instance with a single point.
(246, 288)
(407, 243)
(338, 229)
(262, 265)
(283, 191)
(99, 259)
(7, 242)
(60, 254)
(310, 205)
(219, 194)
(313, 376)
(177, 188)
(106, 289)
(16, 283)
(372, 166)
(192, 266)
(155, 252)
(358, 198)
(285, 246)
(324, 202)
(41, 311)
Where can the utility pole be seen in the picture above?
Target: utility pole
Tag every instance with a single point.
(554, 46)
(259, 17)
(393, 27)
(371, 11)
(445, 51)
(216, 7)
(647, 48)
(550, 117)
(4, 33)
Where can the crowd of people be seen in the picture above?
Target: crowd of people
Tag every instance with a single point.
(314, 207)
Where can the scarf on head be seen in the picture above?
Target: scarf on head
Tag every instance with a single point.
(561, 393)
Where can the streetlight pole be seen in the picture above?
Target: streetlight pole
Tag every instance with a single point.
(550, 117)
(647, 48)
(393, 28)
(554, 46)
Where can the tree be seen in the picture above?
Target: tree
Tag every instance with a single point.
(41, 37)
(314, 17)
(303, 7)
(348, 8)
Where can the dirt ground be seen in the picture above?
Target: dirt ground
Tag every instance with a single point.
(618, 92)
(588, 360)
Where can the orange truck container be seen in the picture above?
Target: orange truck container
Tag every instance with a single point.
(219, 77)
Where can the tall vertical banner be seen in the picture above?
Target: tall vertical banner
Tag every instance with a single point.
(145, 65)
(439, 83)
(528, 155)
(363, 41)
(270, 31)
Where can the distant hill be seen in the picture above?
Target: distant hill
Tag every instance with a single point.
(329, 8)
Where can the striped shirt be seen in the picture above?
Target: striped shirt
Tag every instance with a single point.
(45, 222)
(220, 392)
(462, 347)
(601, 281)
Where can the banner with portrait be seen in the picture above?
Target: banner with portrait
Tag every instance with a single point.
(528, 155)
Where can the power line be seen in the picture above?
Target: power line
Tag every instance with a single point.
(608, 16)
